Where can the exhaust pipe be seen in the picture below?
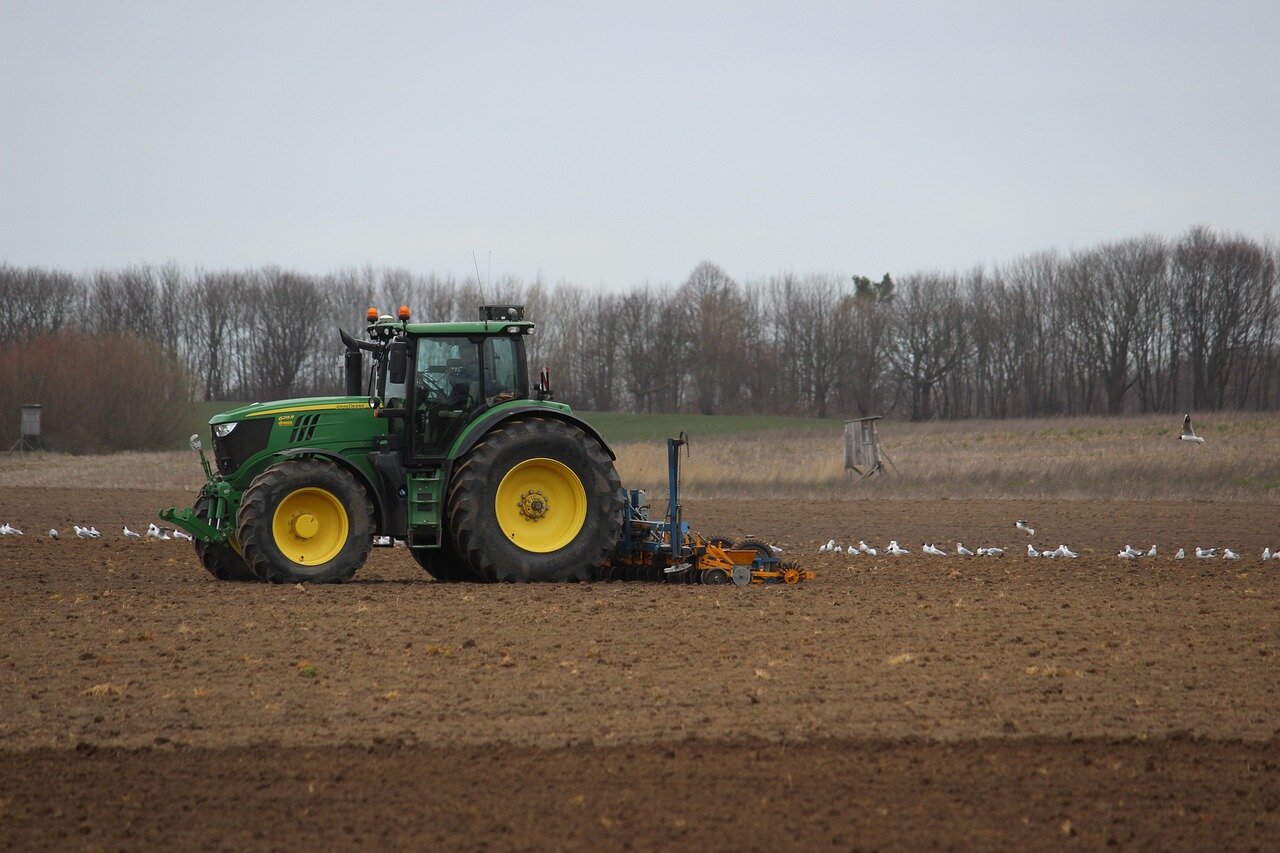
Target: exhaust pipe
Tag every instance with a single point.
(354, 366)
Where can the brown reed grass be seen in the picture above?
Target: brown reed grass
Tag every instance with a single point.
(1095, 458)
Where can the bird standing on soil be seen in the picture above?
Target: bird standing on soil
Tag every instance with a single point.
(1205, 553)
(895, 550)
(53, 533)
(84, 533)
(1032, 552)
(1189, 434)
(1181, 555)
(179, 534)
(862, 546)
(1228, 554)
(962, 551)
(1266, 554)
(1130, 552)
(8, 530)
(1064, 551)
(995, 552)
(1025, 527)
(933, 551)
(129, 534)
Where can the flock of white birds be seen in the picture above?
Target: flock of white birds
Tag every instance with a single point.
(153, 532)
(1061, 552)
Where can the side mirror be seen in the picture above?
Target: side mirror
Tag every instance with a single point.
(397, 362)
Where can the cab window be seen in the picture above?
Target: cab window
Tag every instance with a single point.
(447, 388)
(500, 374)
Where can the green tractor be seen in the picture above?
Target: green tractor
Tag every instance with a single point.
(446, 445)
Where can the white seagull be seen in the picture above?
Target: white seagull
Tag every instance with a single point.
(1130, 552)
(53, 533)
(83, 533)
(153, 531)
(1189, 434)
(179, 534)
(129, 534)
(871, 552)
(1152, 552)
(895, 550)
(1266, 554)
(1064, 551)
(1181, 555)
(1205, 553)
(933, 551)
(7, 529)
(1025, 527)
(1032, 552)
(93, 531)
(1228, 554)
(962, 551)
(995, 552)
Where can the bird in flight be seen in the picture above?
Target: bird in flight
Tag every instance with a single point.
(1189, 434)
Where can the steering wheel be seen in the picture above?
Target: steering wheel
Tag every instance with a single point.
(435, 384)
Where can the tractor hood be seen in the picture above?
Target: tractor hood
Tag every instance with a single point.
(300, 405)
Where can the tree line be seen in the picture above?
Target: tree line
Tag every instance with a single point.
(1146, 324)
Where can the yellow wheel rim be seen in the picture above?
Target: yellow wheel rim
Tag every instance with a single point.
(310, 526)
(541, 505)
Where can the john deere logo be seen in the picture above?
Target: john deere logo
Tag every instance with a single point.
(285, 420)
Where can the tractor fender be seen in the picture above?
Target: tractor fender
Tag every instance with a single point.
(488, 423)
(375, 494)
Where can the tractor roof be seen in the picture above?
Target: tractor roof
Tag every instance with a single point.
(489, 327)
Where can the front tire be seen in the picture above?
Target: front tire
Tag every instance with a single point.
(305, 521)
(536, 500)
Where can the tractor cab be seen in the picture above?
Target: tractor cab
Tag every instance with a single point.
(433, 379)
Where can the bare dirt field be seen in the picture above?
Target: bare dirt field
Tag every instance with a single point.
(890, 703)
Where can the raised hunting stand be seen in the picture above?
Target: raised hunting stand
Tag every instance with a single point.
(862, 447)
(29, 435)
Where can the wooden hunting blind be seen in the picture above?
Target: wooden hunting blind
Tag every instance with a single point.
(29, 434)
(862, 446)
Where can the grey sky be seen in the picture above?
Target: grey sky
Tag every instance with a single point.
(611, 143)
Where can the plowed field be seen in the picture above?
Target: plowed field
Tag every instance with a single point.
(892, 702)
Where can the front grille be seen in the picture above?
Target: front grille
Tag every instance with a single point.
(245, 440)
(304, 428)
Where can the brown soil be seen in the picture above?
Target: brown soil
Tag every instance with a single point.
(889, 702)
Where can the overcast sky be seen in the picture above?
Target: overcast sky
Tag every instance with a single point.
(617, 143)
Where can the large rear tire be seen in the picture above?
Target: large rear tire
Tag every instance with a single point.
(537, 499)
(221, 561)
(305, 521)
(444, 563)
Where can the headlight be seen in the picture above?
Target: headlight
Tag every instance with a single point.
(224, 430)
